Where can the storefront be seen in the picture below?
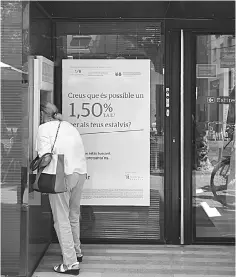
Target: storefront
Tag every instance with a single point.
(167, 74)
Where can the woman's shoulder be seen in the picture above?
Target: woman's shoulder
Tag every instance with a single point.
(67, 125)
(70, 129)
(51, 126)
(48, 126)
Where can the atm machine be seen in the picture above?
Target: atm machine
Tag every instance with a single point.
(39, 223)
(43, 90)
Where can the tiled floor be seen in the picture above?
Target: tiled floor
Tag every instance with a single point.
(147, 261)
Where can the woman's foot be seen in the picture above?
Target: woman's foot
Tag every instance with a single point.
(64, 269)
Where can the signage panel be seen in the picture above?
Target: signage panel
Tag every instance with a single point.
(109, 102)
(206, 70)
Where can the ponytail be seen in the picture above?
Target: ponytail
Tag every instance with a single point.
(50, 110)
(58, 116)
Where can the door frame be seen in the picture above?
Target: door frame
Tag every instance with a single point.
(190, 40)
(172, 137)
(181, 35)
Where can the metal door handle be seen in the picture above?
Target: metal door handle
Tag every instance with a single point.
(167, 102)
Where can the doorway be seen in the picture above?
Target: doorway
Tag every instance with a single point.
(189, 204)
(209, 143)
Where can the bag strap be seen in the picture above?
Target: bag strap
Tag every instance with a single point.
(42, 168)
(56, 136)
(38, 161)
(37, 177)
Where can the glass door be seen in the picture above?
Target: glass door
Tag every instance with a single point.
(213, 138)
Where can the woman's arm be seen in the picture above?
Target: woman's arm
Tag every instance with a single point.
(43, 144)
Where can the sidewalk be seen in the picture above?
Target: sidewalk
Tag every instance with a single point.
(147, 261)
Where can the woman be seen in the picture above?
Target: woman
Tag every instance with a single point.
(65, 206)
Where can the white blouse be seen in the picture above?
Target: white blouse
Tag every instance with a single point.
(69, 143)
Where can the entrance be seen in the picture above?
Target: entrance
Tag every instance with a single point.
(175, 215)
(209, 124)
(190, 50)
(184, 149)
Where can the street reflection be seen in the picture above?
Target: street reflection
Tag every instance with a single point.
(214, 137)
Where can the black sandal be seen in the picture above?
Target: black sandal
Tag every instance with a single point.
(61, 268)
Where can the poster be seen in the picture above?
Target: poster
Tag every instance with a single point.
(109, 102)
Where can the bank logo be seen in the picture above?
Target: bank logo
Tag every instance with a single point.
(76, 71)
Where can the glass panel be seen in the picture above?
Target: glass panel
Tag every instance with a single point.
(214, 137)
(14, 100)
(127, 40)
(39, 209)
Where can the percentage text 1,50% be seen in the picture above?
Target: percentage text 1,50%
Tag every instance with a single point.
(95, 109)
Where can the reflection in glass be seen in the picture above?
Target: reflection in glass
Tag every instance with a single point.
(214, 137)
(39, 212)
(12, 90)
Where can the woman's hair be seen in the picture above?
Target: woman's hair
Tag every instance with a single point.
(50, 110)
